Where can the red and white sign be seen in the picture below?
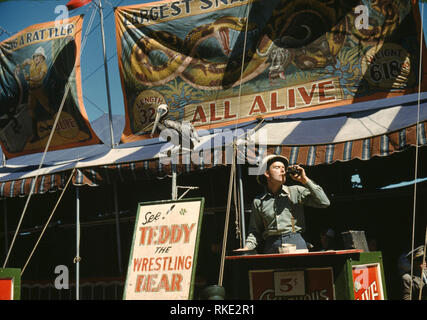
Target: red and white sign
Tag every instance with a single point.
(163, 254)
(306, 284)
(367, 284)
(6, 289)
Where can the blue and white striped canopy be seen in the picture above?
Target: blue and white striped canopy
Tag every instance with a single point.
(361, 130)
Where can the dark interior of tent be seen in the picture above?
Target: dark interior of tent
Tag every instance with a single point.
(394, 217)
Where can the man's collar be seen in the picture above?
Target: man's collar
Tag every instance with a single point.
(283, 192)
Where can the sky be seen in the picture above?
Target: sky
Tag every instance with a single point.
(16, 15)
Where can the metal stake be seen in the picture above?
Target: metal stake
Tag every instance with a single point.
(77, 258)
(6, 243)
(174, 187)
(242, 205)
(119, 247)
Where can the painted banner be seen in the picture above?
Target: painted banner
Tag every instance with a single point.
(304, 284)
(36, 64)
(367, 282)
(215, 63)
(164, 251)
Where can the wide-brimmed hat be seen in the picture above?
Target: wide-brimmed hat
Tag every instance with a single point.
(418, 252)
(265, 164)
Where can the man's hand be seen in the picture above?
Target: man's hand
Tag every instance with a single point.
(300, 176)
(241, 249)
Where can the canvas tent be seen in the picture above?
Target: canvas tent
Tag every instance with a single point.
(311, 136)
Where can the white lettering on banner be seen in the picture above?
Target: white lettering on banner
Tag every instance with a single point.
(371, 293)
(315, 295)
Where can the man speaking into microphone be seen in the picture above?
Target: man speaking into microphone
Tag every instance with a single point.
(278, 215)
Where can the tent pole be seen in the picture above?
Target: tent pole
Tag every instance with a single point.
(77, 258)
(6, 244)
(174, 187)
(106, 75)
(119, 247)
(242, 205)
(227, 218)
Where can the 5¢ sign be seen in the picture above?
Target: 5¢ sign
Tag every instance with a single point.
(289, 283)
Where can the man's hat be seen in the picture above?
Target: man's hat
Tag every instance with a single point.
(418, 252)
(265, 164)
(40, 51)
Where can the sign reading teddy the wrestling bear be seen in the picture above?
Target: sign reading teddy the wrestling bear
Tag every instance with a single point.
(164, 251)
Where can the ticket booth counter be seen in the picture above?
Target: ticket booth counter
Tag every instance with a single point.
(326, 275)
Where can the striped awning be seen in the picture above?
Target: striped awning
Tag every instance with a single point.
(362, 131)
(363, 149)
(44, 183)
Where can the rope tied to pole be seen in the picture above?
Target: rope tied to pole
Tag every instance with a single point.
(416, 150)
(33, 184)
(48, 221)
(227, 218)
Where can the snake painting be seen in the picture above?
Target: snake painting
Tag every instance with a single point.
(183, 59)
(307, 34)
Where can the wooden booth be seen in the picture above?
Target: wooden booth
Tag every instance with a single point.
(324, 275)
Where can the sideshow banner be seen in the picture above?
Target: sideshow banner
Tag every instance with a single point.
(367, 282)
(215, 63)
(164, 251)
(303, 284)
(36, 64)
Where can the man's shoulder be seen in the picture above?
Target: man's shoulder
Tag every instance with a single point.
(260, 197)
(295, 188)
(264, 196)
